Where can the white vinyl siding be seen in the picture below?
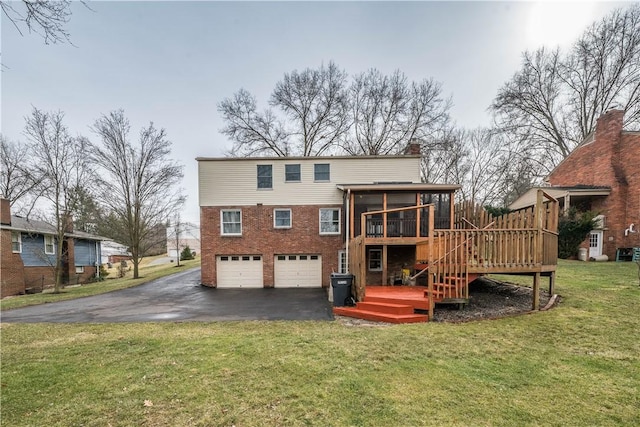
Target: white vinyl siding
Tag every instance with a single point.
(231, 222)
(329, 221)
(49, 246)
(282, 218)
(232, 182)
(16, 242)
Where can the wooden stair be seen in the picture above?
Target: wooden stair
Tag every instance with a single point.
(382, 312)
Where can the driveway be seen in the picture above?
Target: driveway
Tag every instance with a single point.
(180, 298)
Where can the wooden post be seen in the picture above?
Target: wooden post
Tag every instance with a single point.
(431, 262)
(552, 283)
(418, 215)
(385, 272)
(536, 292)
(452, 208)
(351, 215)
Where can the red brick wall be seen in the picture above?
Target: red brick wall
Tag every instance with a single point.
(613, 160)
(11, 268)
(39, 277)
(259, 237)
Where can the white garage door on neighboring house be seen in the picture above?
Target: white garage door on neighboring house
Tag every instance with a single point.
(239, 271)
(298, 271)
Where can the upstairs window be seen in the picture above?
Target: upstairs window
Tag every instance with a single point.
(265, 177)
(329, 221)
(322, 172)
(282, 218)
(16, 243)
(231, 222)
(292, 173)
(49, 247)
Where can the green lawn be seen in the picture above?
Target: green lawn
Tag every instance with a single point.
(575, 365)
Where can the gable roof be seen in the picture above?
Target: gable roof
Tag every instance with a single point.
(560, 192)
(35, 226)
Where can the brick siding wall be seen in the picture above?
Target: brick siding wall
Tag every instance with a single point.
(259, 237)
(612, 159)
(11, 268)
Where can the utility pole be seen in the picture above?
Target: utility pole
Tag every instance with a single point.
(177, 231)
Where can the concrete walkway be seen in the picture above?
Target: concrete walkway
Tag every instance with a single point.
(179, 298)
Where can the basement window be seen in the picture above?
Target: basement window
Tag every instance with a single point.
(375, 259)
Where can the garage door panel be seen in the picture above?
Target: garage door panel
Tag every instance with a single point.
(239, 271)
(298, 271)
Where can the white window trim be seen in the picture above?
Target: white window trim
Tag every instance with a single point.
(19, 242)
(222, 233)
(79, 269)
(299, 172)
(52, 244)
(314, 172)
(290, 218)
(369, 260)
(329, 233)
(342, 255)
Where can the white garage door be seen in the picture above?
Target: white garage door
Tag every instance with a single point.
(239, 271)
(298, 271)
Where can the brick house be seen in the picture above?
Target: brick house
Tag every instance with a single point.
(286, 222)
(27, 254)
(601, 174)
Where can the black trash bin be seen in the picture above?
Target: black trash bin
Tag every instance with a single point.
(341, 284)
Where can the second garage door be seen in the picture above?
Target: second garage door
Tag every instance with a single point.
(298, 271)
(239, 271)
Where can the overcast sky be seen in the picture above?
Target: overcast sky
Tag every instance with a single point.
(173, 62)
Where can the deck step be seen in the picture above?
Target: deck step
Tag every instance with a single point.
(416, 303)
(380, 316)
(385, 307)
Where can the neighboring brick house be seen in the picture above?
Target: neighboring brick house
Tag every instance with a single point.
(285, 221)
(28, 254)
(602, 174)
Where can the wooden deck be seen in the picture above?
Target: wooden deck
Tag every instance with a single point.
(521, 242)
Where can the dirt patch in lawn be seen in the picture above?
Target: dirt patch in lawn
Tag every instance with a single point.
(489, 299)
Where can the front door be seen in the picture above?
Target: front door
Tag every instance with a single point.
(595, 244)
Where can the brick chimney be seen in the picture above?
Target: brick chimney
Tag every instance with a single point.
(413, 147)
(5, 215)
(67, 222)
(609, 126)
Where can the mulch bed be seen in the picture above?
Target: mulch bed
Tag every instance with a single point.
(489, 299)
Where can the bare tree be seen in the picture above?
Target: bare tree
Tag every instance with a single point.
(389, 111)
(61, 162)
(313, 107)
(18, 181)
(554, 100)
(138, 183)
(45, 18)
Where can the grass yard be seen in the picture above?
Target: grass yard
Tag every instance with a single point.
(575, 365)
(147, 272)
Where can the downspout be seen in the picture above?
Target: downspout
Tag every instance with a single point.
(348, 230)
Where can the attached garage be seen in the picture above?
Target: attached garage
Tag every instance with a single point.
(298, 271)
(239, 271)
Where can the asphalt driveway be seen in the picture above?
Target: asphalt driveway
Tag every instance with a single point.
(180, 298)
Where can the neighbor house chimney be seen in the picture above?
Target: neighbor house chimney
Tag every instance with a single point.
(609, 125)
(413, 147)
(5, 216)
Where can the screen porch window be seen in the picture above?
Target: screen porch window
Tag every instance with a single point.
(231, 222)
